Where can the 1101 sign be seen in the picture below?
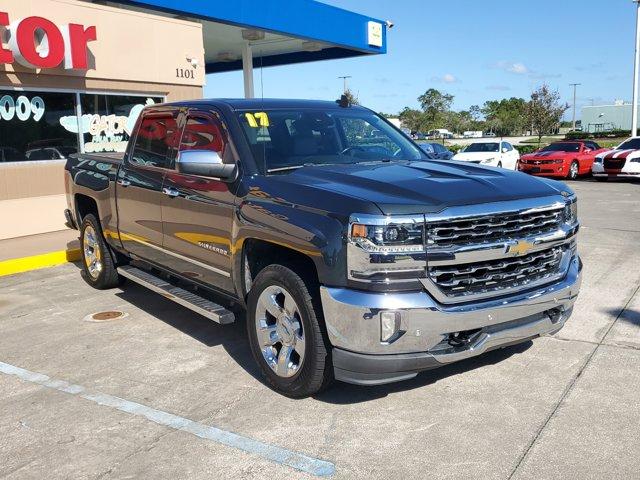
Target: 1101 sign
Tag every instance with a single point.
(185, 73)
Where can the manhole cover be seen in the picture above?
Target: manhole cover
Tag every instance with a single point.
(107, 316)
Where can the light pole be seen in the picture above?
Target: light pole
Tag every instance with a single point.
(575, 85)
(344, 80)
(636, 66)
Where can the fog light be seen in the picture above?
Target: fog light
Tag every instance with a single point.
(389, 325)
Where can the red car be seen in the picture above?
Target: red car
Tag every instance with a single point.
(562, 159)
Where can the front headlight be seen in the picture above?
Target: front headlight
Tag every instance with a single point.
(385, 250)
(391, 237)
(571, 212)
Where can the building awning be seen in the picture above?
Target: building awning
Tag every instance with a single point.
(278, 32)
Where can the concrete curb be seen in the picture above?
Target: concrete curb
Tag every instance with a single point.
(35, 262)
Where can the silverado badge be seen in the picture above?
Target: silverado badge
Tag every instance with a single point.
(521, 247)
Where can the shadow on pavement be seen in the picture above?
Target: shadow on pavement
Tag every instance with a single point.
(628, 315)
(343, 393)
(233, 339)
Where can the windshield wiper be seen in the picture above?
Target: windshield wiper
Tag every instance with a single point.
(295, 167)
(384, 160)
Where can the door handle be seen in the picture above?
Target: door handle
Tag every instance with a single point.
(124, 182)
(171, 192)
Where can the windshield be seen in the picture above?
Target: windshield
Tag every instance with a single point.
(483, 147)
(633, 144)
(562, 147)
(283, 140)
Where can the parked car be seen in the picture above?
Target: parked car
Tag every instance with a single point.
(437, 150)
(440, 133)
(562, 159)
(623, 161)
(472, 134)
(490, 134)
(10, 154)
(493, 154)
(322, 238)
(50, 153)
(419, 136)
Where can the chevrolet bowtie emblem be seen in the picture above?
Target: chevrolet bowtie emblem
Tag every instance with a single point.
(520, 248)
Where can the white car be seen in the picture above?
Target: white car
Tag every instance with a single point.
(493, 154)
(623, 161)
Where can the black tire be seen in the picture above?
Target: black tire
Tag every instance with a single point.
(107, 276)
(573, 174)
(316, 370)
(500, 164)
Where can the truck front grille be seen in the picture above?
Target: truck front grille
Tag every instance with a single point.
(492, 228)
(494, 275)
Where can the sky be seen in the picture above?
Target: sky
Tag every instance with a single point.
(474, 50)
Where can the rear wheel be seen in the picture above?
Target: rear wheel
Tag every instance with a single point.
(285, 335)
(98, 267)
(573, 170)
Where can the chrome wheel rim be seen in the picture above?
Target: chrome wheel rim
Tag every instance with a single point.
(92, 255)
(574, 170)
(279, 331)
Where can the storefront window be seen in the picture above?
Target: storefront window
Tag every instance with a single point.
(108, 120)
(37, 126)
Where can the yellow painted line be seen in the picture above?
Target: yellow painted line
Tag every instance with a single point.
(25, 264)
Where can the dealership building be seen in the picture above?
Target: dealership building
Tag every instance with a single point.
(74, 75)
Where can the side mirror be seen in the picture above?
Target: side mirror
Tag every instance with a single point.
(205, 163)
(505, 149)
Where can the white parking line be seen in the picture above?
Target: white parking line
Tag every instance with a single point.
(276, 454)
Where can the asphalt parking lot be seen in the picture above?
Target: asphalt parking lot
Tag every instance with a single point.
(163, 393)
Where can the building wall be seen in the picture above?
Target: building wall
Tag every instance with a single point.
(134, 54)
(130, 46)
(606, 117)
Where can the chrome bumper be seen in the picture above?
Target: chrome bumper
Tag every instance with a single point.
(353, 324)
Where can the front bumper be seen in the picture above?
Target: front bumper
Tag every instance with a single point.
(631, 169)
(544, 170)
(353, 325)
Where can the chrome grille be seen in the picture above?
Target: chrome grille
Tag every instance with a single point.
(494, 275)
(492, 228)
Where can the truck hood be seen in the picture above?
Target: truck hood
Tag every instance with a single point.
(423, 187)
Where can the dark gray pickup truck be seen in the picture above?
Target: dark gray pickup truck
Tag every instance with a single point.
(355, 256)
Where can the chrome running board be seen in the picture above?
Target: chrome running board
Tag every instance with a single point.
(190, 300)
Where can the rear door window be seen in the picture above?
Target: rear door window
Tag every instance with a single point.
(156, 141)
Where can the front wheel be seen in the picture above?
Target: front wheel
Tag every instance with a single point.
(285, 335)
(98, 268)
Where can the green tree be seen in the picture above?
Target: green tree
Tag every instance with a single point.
(435, 105)
(353, 99)
(412, 119)
(507, 116)
(545, 111)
